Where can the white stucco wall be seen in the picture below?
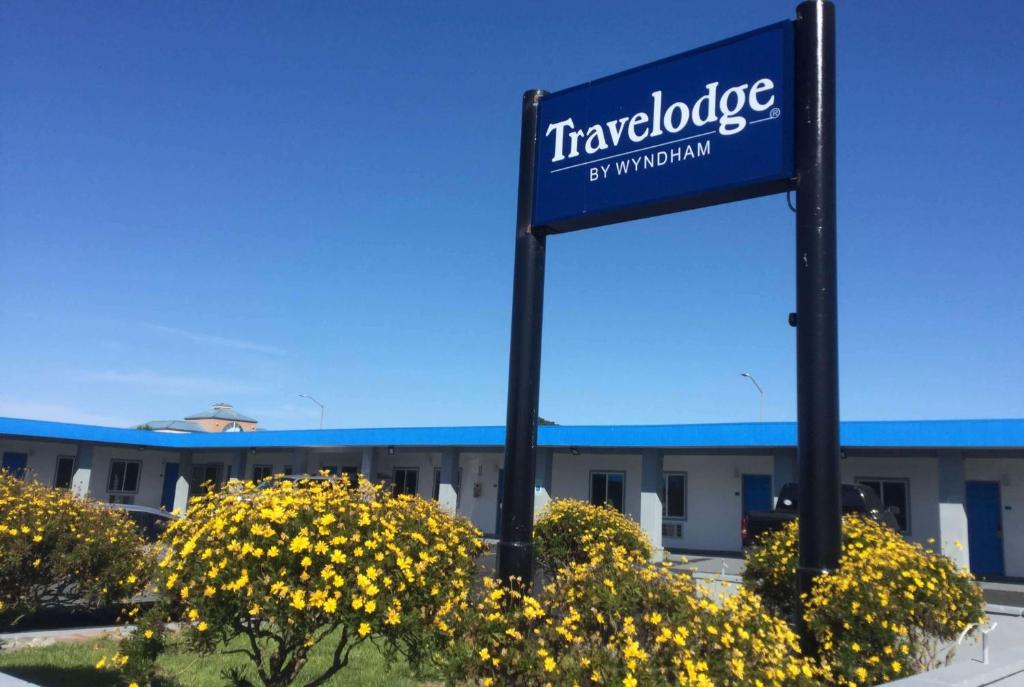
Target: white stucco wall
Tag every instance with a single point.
(923, 476)
(318, 460)
(478, 498)
(150, 474)
(1009, 473)
(41, 461)
(714, 501)
(713, 496)
(280, 461)
(423, 461)
(570, 476)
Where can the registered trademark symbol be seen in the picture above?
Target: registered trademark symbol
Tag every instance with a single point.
(775, 112)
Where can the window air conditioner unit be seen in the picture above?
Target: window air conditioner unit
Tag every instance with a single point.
(672, 529)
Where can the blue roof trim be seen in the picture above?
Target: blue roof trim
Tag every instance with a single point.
(906, 434)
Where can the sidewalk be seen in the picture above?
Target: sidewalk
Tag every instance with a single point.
(12, 641)
(11, 681)
(1005, 666)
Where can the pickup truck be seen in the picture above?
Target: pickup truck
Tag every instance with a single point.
(856, 498)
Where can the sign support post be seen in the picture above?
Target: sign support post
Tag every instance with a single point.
(817, 348)
(744, 117)
(515, 548)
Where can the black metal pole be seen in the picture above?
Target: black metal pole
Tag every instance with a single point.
(817, 348)
(515, 547)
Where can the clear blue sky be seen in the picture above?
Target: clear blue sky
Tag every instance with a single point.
(207, 202)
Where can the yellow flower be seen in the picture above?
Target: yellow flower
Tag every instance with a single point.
(364, 629)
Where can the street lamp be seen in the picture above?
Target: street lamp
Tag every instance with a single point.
(760, 417)
(319, 404)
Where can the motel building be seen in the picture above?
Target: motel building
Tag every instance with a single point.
(955, 485)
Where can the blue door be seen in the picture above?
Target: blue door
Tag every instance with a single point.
(757, 493)
(170, 483)
(985, 528)
(15, 463)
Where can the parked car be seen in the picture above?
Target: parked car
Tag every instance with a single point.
(856, 498)
(151, 522)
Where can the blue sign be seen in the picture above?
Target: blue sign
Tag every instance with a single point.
(708, 126)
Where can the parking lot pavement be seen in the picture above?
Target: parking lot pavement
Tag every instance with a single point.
(1005, 639)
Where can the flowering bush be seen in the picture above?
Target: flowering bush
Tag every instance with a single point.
(618, 620)
(884, 613)
(569, 531)
(57, 549)
(290, 565)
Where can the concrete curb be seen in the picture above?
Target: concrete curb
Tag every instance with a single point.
(1000, 609)
(972, 674)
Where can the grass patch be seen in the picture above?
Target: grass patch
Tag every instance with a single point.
(70, 664)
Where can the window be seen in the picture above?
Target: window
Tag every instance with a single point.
(607, 487)
(437, 484)
(201, 474)
(65, 471)
(124, 476)
(262, 472)
(353, 475)
(673, 496)
(894, 495)
(405, 481)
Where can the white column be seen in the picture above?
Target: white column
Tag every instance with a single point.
(652, 475)
(542, 485)
(183, 487)
(447, 497)
(952, 514)
(83, 471)
(368, 465)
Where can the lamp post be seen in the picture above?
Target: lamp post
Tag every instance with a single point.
(760, 391)
(319, 404)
